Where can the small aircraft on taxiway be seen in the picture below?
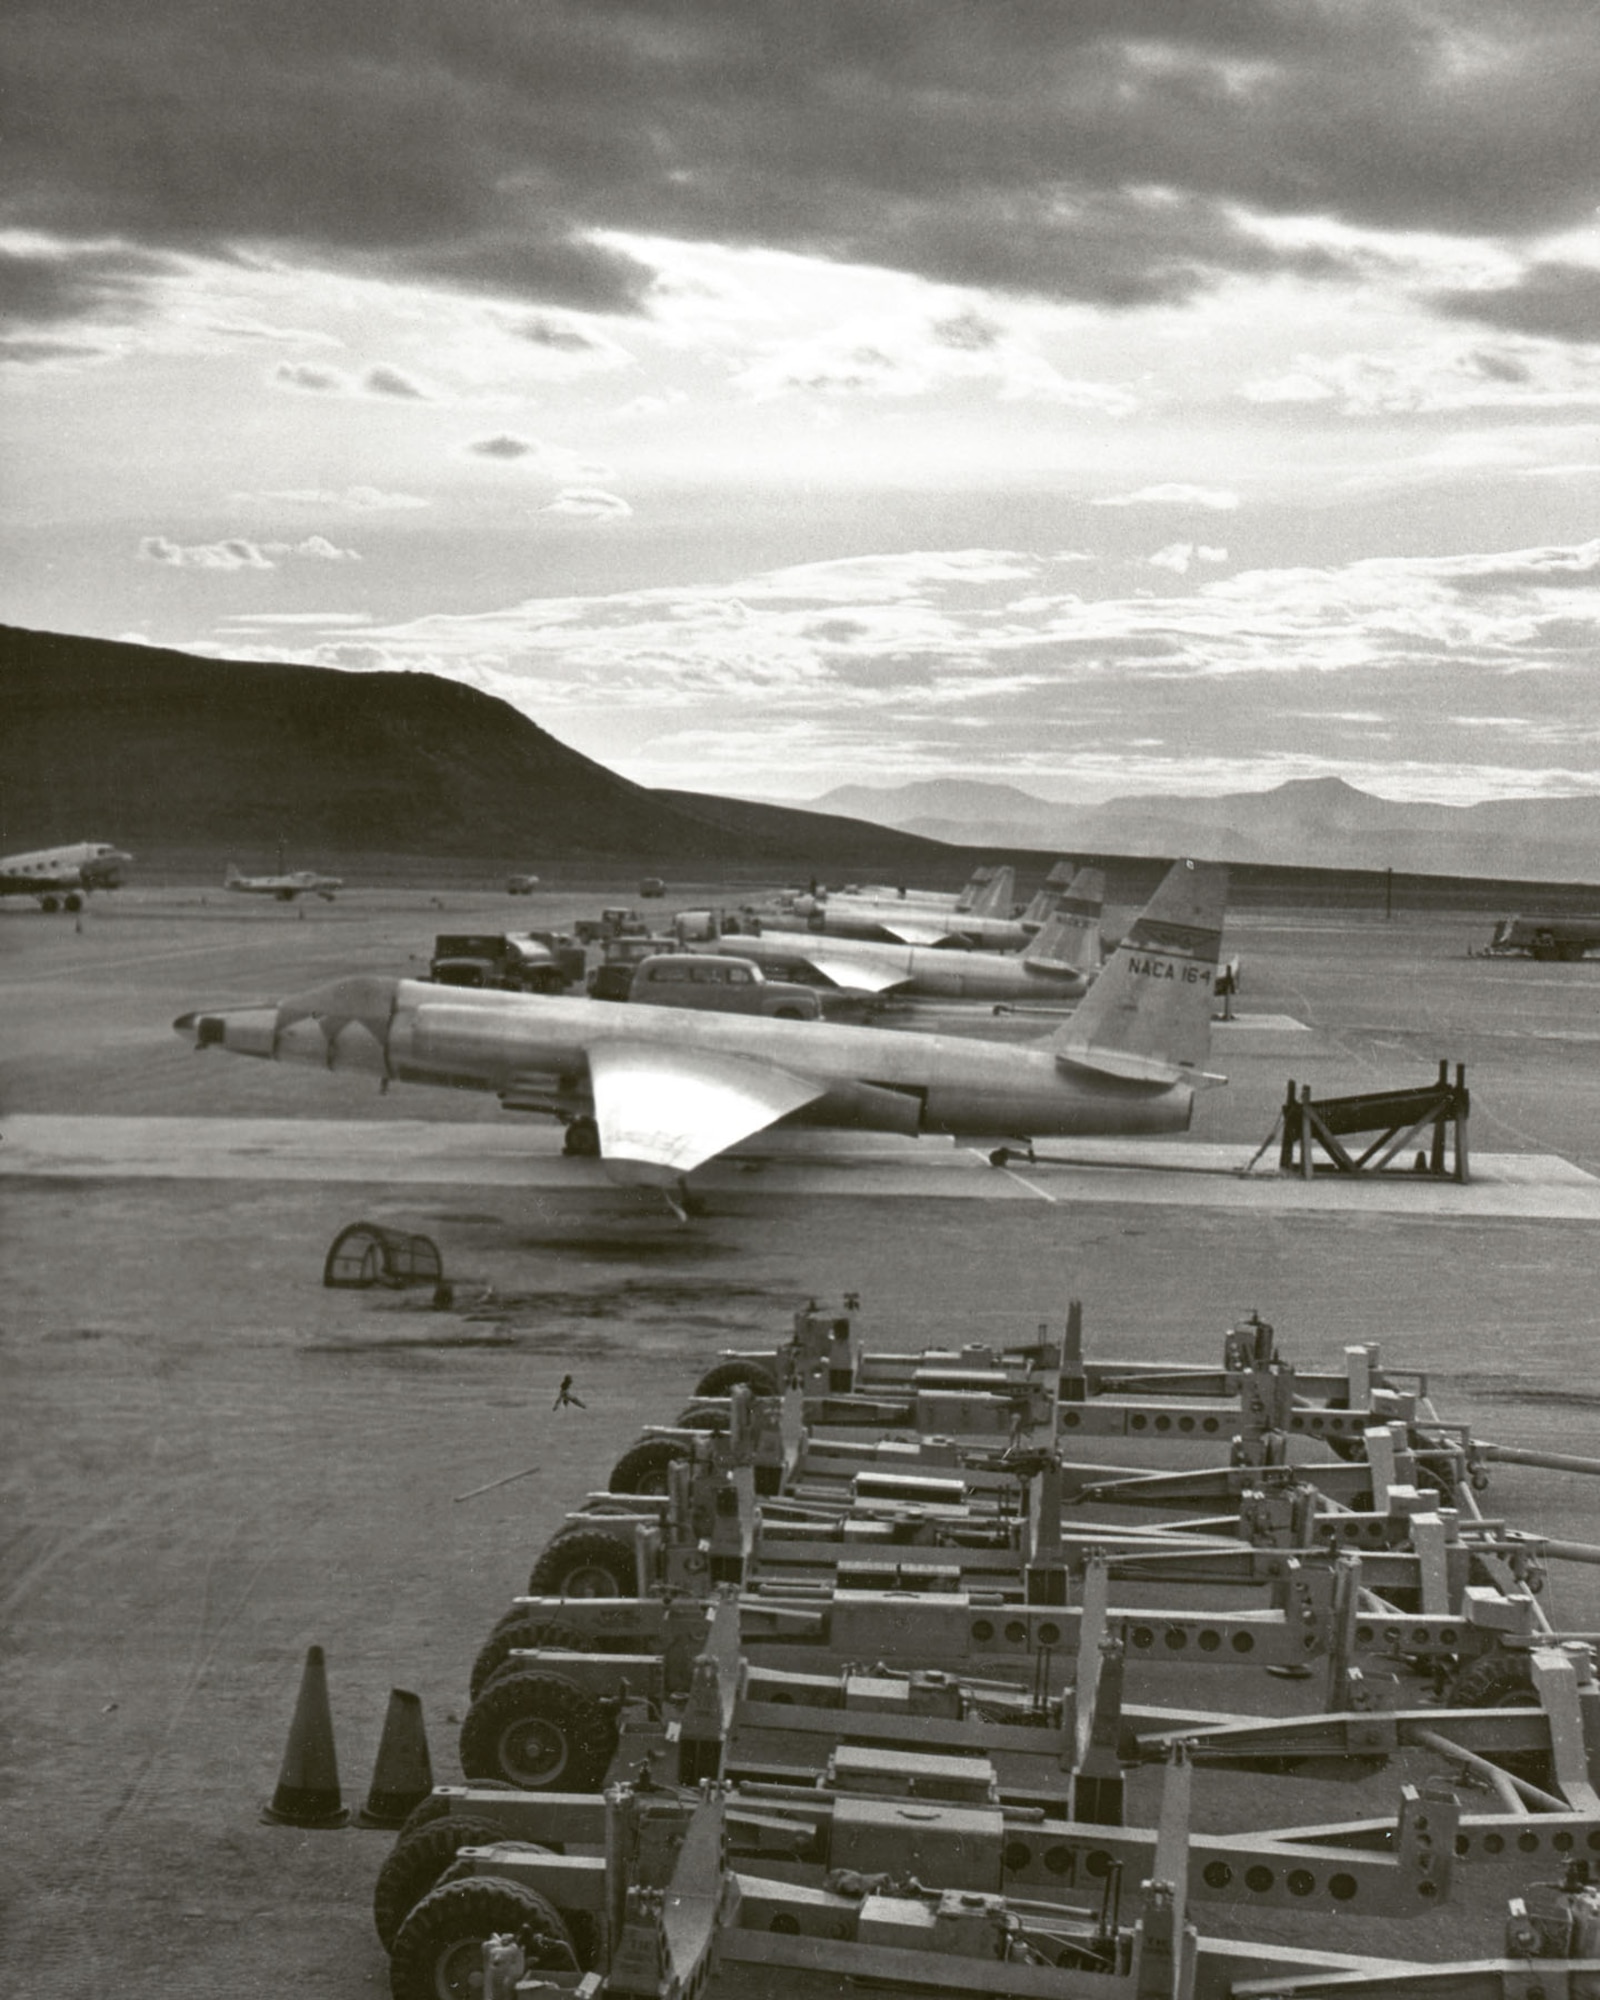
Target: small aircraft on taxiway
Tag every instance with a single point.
(656, 1092)
(60, 877)
(304, 882)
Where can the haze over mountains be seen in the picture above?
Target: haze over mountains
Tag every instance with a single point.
(159, 750)
(1306, 823)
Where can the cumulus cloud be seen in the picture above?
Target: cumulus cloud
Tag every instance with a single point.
(318, 381)
(391, 382)
(237, 553)
(589, 504)
(302, 375)
(1216, 498)
(356, 499)
(1437, 376)
(556, 461)
(1180, 557)
(993, 656)
(503, 446)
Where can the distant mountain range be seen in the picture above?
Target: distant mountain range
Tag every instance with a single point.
(1306, 823)
(188, 761)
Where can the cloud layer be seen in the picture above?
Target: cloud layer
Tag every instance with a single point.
(1114, 155)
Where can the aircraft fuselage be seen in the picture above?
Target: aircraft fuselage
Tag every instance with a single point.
(534, 1049)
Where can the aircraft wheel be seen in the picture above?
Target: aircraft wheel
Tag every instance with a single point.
(583, 1139)
(540, 1732)
(438, 1953)
(1000, 1157)
(73, 902)
(48, 905)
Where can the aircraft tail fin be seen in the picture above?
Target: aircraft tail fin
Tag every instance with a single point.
(1148, 1015)
(994, 898)
(1069, 939)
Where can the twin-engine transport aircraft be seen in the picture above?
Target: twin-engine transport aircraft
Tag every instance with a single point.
(656, 1092)
(1057, 965)
(60, 877)
(304, 882)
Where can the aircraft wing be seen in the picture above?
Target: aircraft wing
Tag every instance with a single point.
(866, 974)
(909, 931)
(663, 1109)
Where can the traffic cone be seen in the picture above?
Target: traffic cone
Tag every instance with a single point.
(403, 1775)
(308, 1784)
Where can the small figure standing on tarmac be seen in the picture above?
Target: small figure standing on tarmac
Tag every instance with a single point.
(564, 1395)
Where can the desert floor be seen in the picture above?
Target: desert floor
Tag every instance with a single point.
(210, 1461)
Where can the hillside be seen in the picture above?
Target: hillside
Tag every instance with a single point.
(162, 750)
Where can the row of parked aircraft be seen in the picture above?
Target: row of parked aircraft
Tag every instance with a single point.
(59, 878)
(1060, 952)
(657, 1092)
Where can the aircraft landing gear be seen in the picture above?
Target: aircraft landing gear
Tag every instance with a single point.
(1002, 1156)
(48, 905)
(74, 901)
(583, 1139)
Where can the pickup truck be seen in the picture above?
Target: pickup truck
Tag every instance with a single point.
(722, 985)
(512, 962)
(1545, 937)
(612, 923)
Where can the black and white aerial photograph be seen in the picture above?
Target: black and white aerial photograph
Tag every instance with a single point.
(800, 1000)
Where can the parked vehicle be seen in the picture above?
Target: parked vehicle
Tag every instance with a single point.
(613, 922)
(723, 985)
(652, 885)
(510, 962)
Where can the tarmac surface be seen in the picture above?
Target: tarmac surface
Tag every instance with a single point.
(211, 1461)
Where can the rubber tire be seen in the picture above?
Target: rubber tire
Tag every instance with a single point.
(583, 1140)
(703, 1417)
(497, 1649)
(467, 1912)
(581, 1736)
(414, 1864)
(729, 1374)
(1494, 1680)
(594, 1550)
(427, 1810)
(643, 1467)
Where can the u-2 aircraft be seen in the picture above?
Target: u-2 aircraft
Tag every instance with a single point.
(656, 1092)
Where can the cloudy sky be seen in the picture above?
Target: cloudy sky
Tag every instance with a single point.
(762, 395)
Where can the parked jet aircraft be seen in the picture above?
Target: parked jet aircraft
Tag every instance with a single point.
(60, 877)
(657, 1092)
(905, 923)
(988, 893)
(304, 882)
(1057, 965)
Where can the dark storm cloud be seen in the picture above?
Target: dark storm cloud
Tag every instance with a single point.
(38, 289)
(1095, 152)
(1556, 301)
